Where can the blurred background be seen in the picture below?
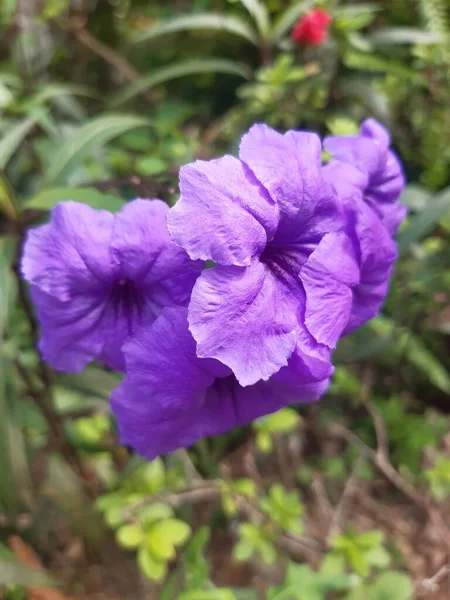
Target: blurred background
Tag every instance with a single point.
(102, 101)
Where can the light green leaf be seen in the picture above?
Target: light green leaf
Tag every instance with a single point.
(47, 199)
(129, 536)
(153, 513)
(13, 138)
(91, 136)
(155, 570)
(288, 19)
(404, 35)
(180, 69)
(392, 586)
(259, 12)
(437, 207)
(204, 21)
(164, 536)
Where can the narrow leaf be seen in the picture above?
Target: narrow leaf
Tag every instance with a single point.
(420, 225)
(259, 13)
(12, 572)
(91, 136)
(6, 198)
(288, 19)
(13, 138)
(181, 69)
(47, 199)
(404, 35)
(203, 21)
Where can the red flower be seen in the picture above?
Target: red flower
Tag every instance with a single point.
(312, 28)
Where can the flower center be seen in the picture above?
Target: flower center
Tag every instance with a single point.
(127, 299)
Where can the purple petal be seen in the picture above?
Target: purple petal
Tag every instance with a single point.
(377, 254)
(166, 404)
(328, 277)
(223, 214)
(358, 151)
(71, 253)
(245, 318)
(71, 332)
(288, 166)
(163, 273)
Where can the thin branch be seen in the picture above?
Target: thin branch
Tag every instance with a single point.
(393, 476)
(339, 514)
(432, 584)
(120, 64)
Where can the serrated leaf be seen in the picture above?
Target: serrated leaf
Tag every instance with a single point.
(437, 207)
(47, 199)
(129, 536)
(180, 69)
(204, 21)
(87, 138)
(153, 569)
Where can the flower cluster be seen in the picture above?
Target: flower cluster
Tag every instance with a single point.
(312, 28)
(229, 305)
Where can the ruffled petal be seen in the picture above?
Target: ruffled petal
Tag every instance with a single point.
(289, 167)
(161, 405)
(71, 332)
(223, 214)
(163, 273)
(377, 256)
(328, 277)
(164, 405)
(245, 318)
(71, 254)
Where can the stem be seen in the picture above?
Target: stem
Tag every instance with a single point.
(43, 398)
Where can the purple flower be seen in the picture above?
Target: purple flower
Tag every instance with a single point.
(95, 277)
(374, 248)
(171, 398)
(284, 272)
(380, 175)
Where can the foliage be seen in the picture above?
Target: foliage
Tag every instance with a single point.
(101, 102)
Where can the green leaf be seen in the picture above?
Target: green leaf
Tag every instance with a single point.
(7, 204)
(13, 572)
(47, 199)
(288, 19)
(416, 197)
(180, 69)
(259, 13)
(85, 140)
(129, 536)
(153, 513)
(392, 586)
(415, 351)
(155, 570)
(404, 35)
(205, 21)
(13, 138)
(164, 536)
(437, 207)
